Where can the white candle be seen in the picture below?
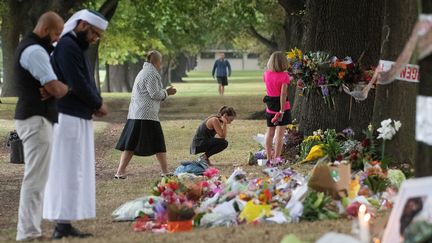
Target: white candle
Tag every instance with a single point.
(363, 220)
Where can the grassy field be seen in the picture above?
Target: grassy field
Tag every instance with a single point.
(180, 114)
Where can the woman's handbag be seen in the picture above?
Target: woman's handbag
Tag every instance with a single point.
(15, 145)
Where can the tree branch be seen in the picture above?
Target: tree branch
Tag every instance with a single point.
(291, 6)
(108, 8)
(269, 43)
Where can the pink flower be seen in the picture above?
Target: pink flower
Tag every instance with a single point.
(204, 184)
(210, 172)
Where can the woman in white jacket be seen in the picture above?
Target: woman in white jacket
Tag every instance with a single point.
(142, 134)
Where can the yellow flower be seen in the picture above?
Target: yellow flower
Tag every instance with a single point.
(354, 187)
(312, 138)
(295, 53)
(291, 55)
(316, 152)
(292, 127)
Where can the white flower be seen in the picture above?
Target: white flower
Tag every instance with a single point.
(397, 125)
(386, 123)
(387, 130)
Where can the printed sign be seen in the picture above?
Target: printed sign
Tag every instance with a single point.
(412, 204)
(409, 73)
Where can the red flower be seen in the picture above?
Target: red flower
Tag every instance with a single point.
(174, 186)
(365, 143)
(339, 157)
(353, 155)
(353, 208)
(151, 201)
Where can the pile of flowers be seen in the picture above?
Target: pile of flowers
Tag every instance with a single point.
(321, 72)
(280, 194)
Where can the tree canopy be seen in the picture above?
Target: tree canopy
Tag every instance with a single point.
(186, 26)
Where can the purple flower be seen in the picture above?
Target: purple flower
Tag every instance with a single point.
(297, 65)
(348, 132)
(260, 155)
(321, 80)
(325, 90)
(288, 172)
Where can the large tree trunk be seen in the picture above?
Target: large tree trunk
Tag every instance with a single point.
(107, 81)
(291, 33)
(399, 19)
(423, 161)
(19, 20)
(166, 70)
(342, 28)
(120, 78)
(293, 28)
(107, 9)
(11, 28)
(179, 71)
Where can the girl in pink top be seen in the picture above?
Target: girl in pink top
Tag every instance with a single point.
(278, 115)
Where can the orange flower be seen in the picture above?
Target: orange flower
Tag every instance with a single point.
(342, 65)
(339, 64)
(375, 162)
(341, 75)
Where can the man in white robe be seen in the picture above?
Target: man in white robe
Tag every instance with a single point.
(70, 190)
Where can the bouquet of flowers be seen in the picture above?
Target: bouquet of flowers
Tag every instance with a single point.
(376, 179)
(319, 71)
(181, 210)
(176, 204)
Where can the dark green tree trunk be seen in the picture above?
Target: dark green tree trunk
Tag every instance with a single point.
(397, 100)
(423, 161)
(342, 28)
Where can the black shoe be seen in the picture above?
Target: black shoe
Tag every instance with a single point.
(70, 232)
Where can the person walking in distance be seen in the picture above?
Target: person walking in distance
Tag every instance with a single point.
(222, 69)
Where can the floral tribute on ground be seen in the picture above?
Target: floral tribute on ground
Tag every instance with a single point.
(347, 173)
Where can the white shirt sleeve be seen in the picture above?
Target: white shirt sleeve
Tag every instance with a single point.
(37, 61)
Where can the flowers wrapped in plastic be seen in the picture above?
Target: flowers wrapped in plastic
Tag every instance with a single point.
(325, 74)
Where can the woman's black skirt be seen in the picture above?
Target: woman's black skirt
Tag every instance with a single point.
(144, 137)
